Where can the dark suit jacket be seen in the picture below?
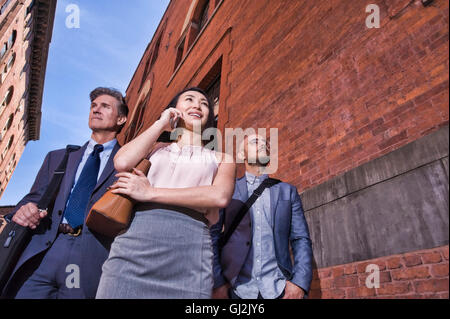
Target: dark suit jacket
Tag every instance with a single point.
(289, 227)
(95, 247)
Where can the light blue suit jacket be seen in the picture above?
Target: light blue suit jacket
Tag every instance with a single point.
(289, 227)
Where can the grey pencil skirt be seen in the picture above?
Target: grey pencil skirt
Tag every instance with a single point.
(163, 255)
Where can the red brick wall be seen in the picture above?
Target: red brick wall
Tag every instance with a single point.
(339, 93)
(419, 274)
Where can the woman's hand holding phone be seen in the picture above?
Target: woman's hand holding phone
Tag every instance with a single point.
(169, 118)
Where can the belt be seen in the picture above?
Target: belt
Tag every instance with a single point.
(183, 210)
(67, 229)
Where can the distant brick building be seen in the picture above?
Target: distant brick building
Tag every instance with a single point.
(3, 211)
(362, 117)
(6, 209)
(25, 34)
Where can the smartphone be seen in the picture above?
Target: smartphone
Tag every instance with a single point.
(173, 124)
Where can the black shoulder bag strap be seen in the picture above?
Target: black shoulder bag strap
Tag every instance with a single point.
(52, 189)
(15, 237)
(267, 183)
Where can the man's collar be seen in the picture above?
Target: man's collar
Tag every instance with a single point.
(251, 179)
(106, 146)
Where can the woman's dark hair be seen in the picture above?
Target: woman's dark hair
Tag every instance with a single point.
(165, 137)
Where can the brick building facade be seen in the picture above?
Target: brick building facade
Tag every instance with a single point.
(362, 117)
(3, 211)
(25, 34)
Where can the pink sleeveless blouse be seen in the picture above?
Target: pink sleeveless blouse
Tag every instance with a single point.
(189, 166)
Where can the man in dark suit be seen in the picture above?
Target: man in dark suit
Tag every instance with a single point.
(64, 258)
(256, 262)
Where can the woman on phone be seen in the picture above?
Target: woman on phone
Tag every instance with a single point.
(166, 252)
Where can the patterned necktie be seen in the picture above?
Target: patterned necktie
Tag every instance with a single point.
(81, 193)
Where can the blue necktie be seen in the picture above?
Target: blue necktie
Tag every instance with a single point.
(81, 193)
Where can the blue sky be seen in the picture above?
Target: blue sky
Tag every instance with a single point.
(104, 51)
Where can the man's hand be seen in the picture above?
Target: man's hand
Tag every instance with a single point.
(221, 292)
(292, 291)
(29, 216)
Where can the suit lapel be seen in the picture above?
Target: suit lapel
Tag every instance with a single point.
(109, 168)
(274, 196)
(71, 170)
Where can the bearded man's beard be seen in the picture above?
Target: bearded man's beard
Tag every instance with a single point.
(261, 160)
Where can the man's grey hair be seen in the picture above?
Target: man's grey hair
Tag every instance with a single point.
(123, 108)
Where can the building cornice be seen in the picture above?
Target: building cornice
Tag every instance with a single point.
(43, 16)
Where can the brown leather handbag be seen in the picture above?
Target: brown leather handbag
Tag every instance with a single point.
(111, 214)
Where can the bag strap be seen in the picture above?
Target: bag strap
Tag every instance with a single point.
(267, 183)
(50, 193)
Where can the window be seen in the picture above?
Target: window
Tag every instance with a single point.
(199, 20)
(3, 75)
(28, 20)
(7, 67)
(30, 7)
(11, 140)
(27, 33)
(24, 69)
(12, 39)
(199, 14)
(152, 57)
(150, 61)
(10, 62)
(140, 118)
(3, 50)
(8, 146)
(7, 99)
(7, 126)
(11, 165)
(8, 123)
(4, 6)
(156, 51)
(8, 96)
(211, 85)
(8, 45)
(180, 52)
(136, 121)
(213, 93)
(145, 74)
(204, 15)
